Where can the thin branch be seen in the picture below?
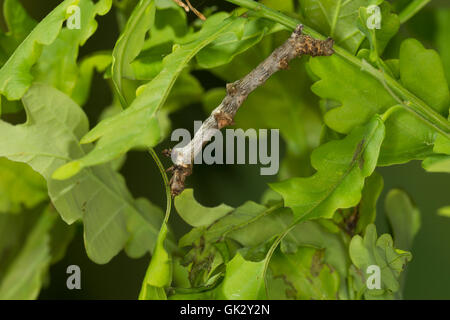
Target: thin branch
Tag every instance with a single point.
(195, 11)
(189, 7)
(297, 45)
(182, 4)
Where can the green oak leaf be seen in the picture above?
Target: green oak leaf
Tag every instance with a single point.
(19, 23)
(441, 37)
(159, 272)
(98, 196)
(358, 93)
(244, 280)
(437, 163)
(169, 28)
(342, 166)
(196, 214)
(237, 40)
(130, 44)
(30, 242)
(99, 62)
(336, 19)
(313, 234)
(404, 218)
(15, 76)
(440, 161)
(20, 186)
(374, 251)
(57, 65)
(444, 211)
(280, 5)
(250, 225)
(379, 38)
(306, 275)
(367, 208)
(137, 126)
(25, 275)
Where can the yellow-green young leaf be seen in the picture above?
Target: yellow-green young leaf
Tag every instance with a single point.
(159, 272)
(244, 280)
(19, 23)
(251, 224)
(342, 167)
(196, 214)
(431, 86)
(444, 211)
(336, 19)
(20, 186)
(57, 65)
(169, 28)
(443, 45)
(130, 44)
(358, 93)
(378, 37)
(307, 276)
(237, 40)
(98, 195)
(422, 72)
(335, 252)
(378, 252)
(98, 61)
(142, 228)
(404, 218)
(439, 162)
(137, 126)
(15, 76)
(280, 5)
(367, 208)
(26, 273)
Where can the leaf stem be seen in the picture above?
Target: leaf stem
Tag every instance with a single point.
(412, 9)
(271, 251)
(413, 104)
(166, 184)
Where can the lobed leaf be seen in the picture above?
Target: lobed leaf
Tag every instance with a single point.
(407, 137)
(23, 278)
(15, 76)
(195, 214)
(98, 196)
(342, 167)
(137, 126)
(404, 218)
(336, 19)
(371, 250)
(244, 280)
(306, 275)
(20, 187)
(58, 65)
(130, 43)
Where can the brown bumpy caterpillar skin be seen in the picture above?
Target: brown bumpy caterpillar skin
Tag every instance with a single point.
(297, 45)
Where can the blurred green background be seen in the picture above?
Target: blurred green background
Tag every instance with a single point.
(428, 274)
